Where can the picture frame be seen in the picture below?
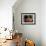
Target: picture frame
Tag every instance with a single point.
(28, 18)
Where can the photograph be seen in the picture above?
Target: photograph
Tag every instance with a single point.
(28, 18)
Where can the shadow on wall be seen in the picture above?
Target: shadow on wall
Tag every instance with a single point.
(17, 19)
(17, 4)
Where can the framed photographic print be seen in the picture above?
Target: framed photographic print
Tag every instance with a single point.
(28, 18)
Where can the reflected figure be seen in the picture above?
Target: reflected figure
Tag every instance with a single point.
(28, 18)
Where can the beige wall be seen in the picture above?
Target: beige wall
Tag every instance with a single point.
(6, 13)
(36, 32)
(30, 31)
(43, 22)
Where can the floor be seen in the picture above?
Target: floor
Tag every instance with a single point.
(9, 43)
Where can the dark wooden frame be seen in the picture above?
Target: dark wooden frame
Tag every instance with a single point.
(33, 14)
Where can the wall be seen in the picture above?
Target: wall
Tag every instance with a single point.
(43, 22)
(6, 16)
(6, 13)
(32, 32)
